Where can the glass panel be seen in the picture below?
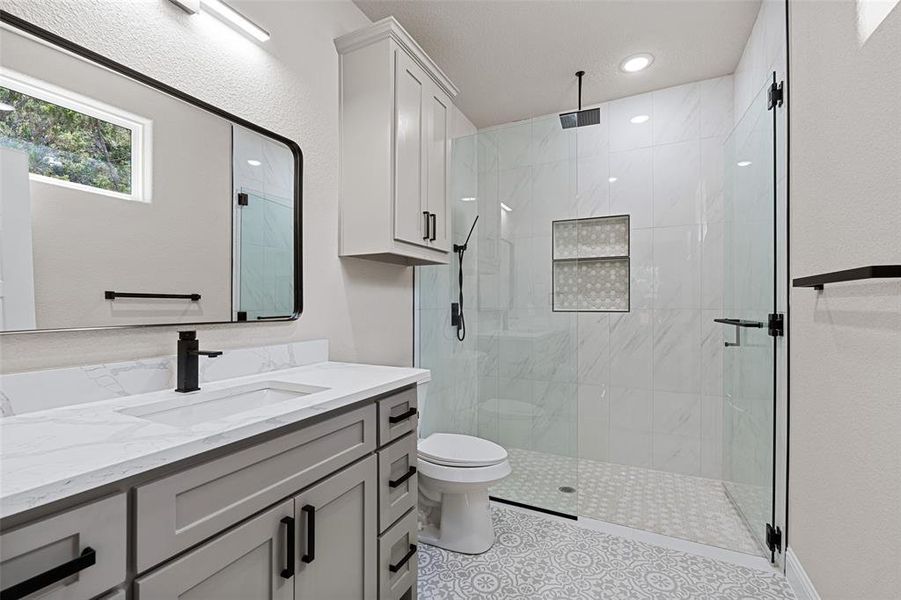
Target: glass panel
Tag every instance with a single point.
(748, 382)
(266, 270)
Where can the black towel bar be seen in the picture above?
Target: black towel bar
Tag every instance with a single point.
(110, 295)
(872, 272)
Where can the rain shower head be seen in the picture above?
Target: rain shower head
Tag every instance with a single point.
(580, 118)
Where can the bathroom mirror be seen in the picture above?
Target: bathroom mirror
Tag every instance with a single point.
(125, 202)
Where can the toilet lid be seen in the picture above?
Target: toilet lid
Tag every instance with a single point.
(453, 449)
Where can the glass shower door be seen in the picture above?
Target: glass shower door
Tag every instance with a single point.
(749, 361)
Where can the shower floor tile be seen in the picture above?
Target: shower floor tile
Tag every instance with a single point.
(682, 506)
(541, 558)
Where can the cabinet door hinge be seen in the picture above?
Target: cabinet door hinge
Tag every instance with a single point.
(775, 96)
(773, 538)
(776, 324)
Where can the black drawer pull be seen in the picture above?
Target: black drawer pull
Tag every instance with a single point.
(25, 588)
(404, 560)
(393, 483)
(310, 555)
(290, 543)
(402, 416)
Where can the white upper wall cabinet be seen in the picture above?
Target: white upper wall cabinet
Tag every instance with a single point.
(395, 106)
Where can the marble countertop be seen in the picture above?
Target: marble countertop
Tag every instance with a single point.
(53, 454)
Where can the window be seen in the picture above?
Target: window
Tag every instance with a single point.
(74, 141)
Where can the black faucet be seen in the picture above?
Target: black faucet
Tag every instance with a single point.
(188, 351)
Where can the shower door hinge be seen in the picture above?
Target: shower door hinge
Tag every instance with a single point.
(776, 324)
(774, 538)
(775, 95)
(243, 199)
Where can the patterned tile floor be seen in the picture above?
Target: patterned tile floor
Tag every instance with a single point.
(682, 506)
(538, 558)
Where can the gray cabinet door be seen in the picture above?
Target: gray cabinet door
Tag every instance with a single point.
(245, 563)
(338, 535)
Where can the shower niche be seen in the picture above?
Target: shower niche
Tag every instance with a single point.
(590, 261)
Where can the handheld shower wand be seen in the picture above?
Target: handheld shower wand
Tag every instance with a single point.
(457, 318)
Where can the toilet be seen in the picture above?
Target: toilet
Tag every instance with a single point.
(455, 472)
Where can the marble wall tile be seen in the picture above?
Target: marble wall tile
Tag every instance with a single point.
(677, 183)
(625, 135)
(712, 436)
(677, 267)
(630, 426)
(515, 412)
(677, 453)
(631, 349)
(677, 112)
(594, 421)
(594, 140)
(514, 146)
(712, 274)
(486, 150)
(515, 191)
(553, 195)
(593, 187)
(593, 348)
(552, 143)
(677, 413)
(642, 268)
(677, 350)
(713, 336)
(711, 184)
(716, 106)
(633, 191)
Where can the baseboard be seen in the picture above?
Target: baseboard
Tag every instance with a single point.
(798, 578)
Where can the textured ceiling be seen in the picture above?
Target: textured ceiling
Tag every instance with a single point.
(516, 59)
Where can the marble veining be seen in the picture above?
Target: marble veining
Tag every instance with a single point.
(52, 454)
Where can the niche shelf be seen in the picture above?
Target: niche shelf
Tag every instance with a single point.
(591, 266)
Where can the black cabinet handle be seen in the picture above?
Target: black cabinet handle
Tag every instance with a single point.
(434, 220)
(404, 560)
(25, 588)
(402, 416)
(393, 483)
(290, 543)
(425, 214)
(310, 555)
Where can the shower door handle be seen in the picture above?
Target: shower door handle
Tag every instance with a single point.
(738, 324)
(427, 221)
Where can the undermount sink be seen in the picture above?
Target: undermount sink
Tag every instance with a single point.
(200, 407)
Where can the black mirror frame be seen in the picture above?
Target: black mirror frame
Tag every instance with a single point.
(81, 51)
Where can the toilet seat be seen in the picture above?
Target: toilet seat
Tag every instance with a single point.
(460, 451)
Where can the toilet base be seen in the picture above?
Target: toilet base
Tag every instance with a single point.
(466, 525)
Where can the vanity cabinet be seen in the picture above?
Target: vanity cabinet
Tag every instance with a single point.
(296, 516)
(395, 144)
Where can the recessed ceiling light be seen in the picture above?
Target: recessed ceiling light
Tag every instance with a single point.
(468, 199)
(506, 208)
(743, 163)
(6, 107)
(611, 179)
(636, 62)
(639, 119)
(253, 163)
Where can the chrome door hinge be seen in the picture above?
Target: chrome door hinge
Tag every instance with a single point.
(776, 95)
(776, 324)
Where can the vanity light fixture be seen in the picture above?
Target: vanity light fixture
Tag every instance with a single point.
(636, 62)
(506, 208)
(253, 162)
(639, 119)
(743, 163)
(6, 107)
(226, 13)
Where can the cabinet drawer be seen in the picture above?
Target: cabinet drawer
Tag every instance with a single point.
(247, 562)
(397, 480)
(91, 539)
(397, 415)
(397, 560)
(177, 512)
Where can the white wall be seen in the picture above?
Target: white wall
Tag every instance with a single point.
(288, 85)
(845, 487)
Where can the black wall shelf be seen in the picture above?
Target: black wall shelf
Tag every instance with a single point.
(873, 272)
